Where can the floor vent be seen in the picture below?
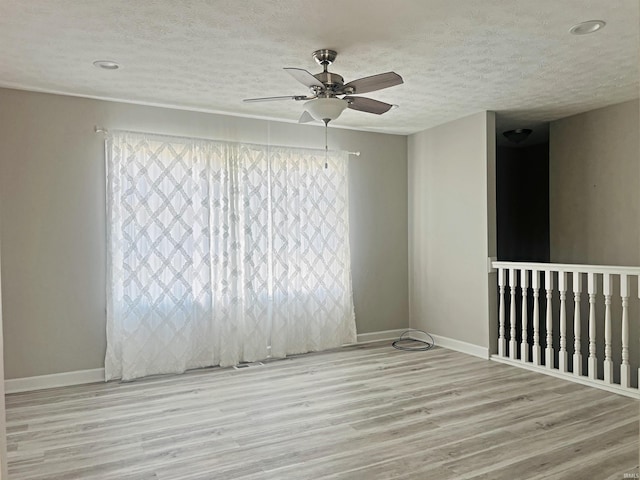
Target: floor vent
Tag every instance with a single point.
(243, 366)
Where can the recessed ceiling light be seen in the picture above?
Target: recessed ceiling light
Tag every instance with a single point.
(589, 26)
(106, 64)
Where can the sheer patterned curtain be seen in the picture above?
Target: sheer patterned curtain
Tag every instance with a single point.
(220, 253)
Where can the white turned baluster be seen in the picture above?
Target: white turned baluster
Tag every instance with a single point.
(608, 361)
(577, 355)
(502, 343)
(563, 363)
(582, 348)
(592, 288)
(548, 350)
(535, 285)
(513, 345)
(625, 368)
(524, 345)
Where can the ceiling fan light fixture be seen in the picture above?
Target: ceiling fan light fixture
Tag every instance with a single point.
(326, 108)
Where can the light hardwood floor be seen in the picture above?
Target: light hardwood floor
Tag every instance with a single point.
(362, 412)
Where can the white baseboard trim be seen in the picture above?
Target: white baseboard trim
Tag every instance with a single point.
(460, 346)
(627, 392)
(441, 341)
(379, 336)
(66, 379)
(41, 382)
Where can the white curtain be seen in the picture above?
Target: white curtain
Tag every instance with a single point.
(220, 253)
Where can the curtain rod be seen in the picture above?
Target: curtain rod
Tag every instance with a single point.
(103, 130)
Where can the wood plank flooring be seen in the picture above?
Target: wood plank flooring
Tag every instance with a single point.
(361, 412)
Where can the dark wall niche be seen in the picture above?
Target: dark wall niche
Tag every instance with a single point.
(522, 198)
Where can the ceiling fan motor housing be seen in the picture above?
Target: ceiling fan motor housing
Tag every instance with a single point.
(332, 81)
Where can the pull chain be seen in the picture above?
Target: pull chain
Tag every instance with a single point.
(326, 144)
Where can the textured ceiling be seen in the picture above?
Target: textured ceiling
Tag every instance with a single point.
(457, 57)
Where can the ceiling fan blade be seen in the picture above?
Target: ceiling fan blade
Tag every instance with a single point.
(272, 99)
(375, 82)
(306, 117)
(304, 77)
(369, 105)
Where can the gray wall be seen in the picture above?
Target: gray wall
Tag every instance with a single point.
(594, 208)
(3, 427)
(52, 197)
(594, 187)
(452, 228)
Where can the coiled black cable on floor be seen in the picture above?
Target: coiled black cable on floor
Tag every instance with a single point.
(413, 344)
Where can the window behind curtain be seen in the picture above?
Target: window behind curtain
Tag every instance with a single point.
(219, 251)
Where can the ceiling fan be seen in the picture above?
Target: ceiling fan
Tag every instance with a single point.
(329, 95)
